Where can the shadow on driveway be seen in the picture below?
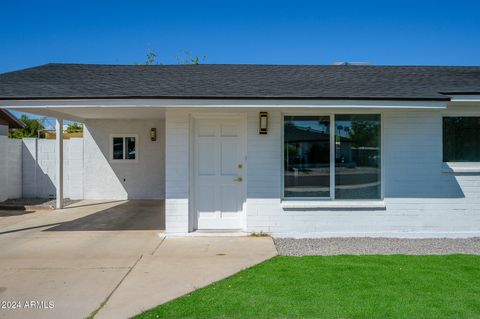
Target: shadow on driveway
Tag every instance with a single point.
(8, 213)
(132, 215)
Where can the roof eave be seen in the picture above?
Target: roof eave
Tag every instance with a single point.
(313, 98)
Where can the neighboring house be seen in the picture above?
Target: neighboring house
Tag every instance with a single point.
(343, 151)
(8, 121)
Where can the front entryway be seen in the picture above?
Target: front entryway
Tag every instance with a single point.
(219, 162)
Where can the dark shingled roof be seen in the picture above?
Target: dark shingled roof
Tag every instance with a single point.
(60, 81)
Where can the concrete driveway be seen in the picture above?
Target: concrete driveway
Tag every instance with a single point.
(105, 258)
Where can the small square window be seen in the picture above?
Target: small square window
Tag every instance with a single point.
(124, 148)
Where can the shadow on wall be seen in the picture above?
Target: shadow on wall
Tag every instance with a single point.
(441, 185)
(36, 171)
(141, 179)
(132, 215)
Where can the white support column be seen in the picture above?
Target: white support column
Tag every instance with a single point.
(177, 171)
(59, 162)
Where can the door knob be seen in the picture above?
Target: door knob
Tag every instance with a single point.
(238, 179)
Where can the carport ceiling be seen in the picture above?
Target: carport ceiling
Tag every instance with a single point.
(85, 112)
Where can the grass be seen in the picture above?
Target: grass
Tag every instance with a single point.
(395, 286)
(260, 234)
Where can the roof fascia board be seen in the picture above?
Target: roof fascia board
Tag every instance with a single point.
(201, 103)
(465, 98)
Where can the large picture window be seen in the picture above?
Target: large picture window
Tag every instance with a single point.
(351, 172)
(357, 156)
(461, 139)
(307, 156)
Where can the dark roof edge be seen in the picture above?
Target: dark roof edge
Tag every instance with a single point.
(13, 122)
(337, 98)
(263, 64)
(461, 93)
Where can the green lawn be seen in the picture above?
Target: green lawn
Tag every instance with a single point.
(396, 286)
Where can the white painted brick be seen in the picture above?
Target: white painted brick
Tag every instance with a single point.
(177, 171)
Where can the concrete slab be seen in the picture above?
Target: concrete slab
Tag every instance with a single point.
(76, 269)
(182, 265)
(95, 251)
(72, 292)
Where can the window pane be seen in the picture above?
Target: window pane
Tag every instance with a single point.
(357, 156)
(118, 148)
(461, 139)
(307, 156)
(130, 148)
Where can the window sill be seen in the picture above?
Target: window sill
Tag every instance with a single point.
(123, 161)
(461, 167)
(333, 204)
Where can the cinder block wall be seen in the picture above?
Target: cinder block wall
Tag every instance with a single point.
(142, 179)
(10, 168)
(38, 168)
(3, 168)
(177, 171)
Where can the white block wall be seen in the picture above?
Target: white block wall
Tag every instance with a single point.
(3, 168)
(144, 179)
(38, 166)
(10, 168)
(177, 172)
(421, 200)
(14, 166)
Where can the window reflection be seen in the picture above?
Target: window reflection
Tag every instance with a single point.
(130, 152)
(307, 156)
(461, 139)
(357, 156)
(118, 148)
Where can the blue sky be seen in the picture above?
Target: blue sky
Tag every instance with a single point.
(289, 32)
(273, 32)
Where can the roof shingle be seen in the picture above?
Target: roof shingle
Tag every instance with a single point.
(61, 81)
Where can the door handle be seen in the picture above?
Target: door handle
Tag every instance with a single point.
(238, 179)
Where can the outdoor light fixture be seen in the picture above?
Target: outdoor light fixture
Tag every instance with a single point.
(153, 134)
(263, 123)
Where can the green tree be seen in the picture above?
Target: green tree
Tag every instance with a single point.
(152, 58)
(74, 128)
(365, 133)
(185, 57)
(32, 127)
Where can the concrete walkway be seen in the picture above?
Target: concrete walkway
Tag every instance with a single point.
(182, 265)
(65, 257)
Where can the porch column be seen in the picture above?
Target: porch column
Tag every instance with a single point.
(177, 171)
(59, 162)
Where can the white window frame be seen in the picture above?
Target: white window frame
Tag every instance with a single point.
(331, 198)
(123, 160)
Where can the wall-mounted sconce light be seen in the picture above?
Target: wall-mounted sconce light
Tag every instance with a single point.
(153, 134)
(263, 125)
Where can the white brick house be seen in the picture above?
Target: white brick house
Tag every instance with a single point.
(287, 150)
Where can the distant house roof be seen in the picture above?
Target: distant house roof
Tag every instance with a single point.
(217, 81)
(297, 134)
(10, 119)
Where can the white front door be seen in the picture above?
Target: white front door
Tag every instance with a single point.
(219, 172)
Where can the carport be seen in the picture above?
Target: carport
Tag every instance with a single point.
(105, 177)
